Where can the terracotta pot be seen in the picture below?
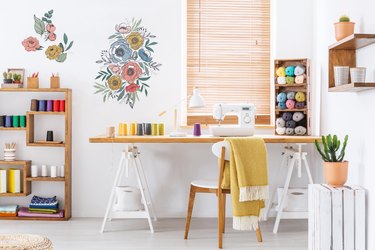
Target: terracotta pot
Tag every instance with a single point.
(343, 29)
(336, 173)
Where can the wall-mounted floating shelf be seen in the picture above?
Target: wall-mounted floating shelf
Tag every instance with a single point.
(344, 53)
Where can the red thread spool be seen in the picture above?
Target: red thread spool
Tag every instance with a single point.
(56, 105)
(62, 105)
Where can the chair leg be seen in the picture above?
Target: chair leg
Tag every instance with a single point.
(224, 208)
(190, 210)
(220, 220)
(259, 234)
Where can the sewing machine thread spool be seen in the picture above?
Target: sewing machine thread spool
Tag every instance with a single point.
(62, 106)
(23, 121)
(2, 120)
(8, 121)
(123, 129)
(34, 105)
(161, 129)
(42, 105)
(56, 105)
(110, 133)
(16, 121)
(140, 129)
(49, 105)
(197, 129)
(49, 135)
(148, 129)
(133, 128)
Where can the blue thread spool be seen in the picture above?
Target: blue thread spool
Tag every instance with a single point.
(42, 105)
(8, 121)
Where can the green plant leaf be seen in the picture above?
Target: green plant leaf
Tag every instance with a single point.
(121, 95)
(65, 37)
(113, 36)
(153, 43)
(146, 93)
(61, 46)
(144, 78)
(69, 46)
(38, 26)
(145, 84)
(61, 58)
(148, 48)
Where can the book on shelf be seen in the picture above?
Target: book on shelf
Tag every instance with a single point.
(3, 180)
(14, 180)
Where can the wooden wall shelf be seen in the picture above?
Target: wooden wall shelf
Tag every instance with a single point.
(45, 113)
(34, 90)
(11, 128)
(344, 53)
(45, 179)
(26, 185)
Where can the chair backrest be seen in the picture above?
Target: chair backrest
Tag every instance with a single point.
(216, 149)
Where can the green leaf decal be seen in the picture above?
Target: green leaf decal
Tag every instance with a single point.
(61, 57)
(65, 38)
(69, 46)
(38, 26)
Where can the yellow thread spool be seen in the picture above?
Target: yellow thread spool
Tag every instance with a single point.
(133, 128)
(154, 129)
(161, 128)
(123, 129)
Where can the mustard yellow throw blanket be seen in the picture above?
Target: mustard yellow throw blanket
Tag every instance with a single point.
(246, 176)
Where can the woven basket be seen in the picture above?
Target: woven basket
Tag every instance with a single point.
(341, 75)
(24, 242)
(358, 74)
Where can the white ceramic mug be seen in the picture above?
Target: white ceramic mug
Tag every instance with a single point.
(34, 171)
(53, 171)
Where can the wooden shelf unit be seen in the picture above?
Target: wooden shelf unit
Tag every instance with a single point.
(26, 185)
(67, 145)
(303, 87)
(13, 128)
(344, 53)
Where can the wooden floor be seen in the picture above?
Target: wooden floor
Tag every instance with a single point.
(134, 234)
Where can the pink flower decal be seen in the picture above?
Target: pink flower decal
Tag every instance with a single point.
(114, 68)
(131, 72)
(52, 36)
(123, 28)
(31, 44)
(132, 88)
(50, 28)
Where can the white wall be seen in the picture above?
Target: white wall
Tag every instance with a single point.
(350, 113)
(169, 168)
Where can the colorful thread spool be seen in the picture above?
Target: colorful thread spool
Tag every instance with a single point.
(161, 128)
(8, 121)
(56, 105)
(49, 105)
(49, 135)
(148, 129)
(62, 105)
(197, 129)
(42, 105)
(140, 129)
(2, 120)
(123, 129)
(23, 121)
(34, 105)
(16, 121)
(133, 128)
(154, 129)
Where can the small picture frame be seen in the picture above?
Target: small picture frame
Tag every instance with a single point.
(20, 72)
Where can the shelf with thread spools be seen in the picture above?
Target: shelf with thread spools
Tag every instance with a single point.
(292, 96)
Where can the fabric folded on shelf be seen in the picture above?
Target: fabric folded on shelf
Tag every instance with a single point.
(8, 208)
(41, 201)
(24, 212)
(8, 214)
(47, 211)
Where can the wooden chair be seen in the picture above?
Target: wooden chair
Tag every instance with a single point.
(222, 151)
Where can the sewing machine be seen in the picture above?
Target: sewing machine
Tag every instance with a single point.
(246, 120)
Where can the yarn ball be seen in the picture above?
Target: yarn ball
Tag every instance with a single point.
(291, 124)
(289, 79)
(281, 97)
(290, 95)
(299, 105)
(280, 122)
(300, 130)
(299, 79)
(280, 130)
(280, 71)
(289, 71)
(289, 131)
(281, 80)
(281, 105)
(290, 104)
(300, 97)
(298, 116)
(299, 70)
(287, 116)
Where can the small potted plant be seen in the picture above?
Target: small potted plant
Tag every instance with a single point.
(335, 168)
(7, 77)
(344, 28)
(16, 78)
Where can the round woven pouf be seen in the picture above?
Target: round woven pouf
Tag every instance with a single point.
(24, 242)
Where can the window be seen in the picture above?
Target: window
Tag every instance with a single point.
(228, 55)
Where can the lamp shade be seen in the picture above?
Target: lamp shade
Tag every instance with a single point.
(196, 100)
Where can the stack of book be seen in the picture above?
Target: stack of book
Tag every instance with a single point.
(8, 210)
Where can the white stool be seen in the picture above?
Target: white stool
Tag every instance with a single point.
(130, 157)
(291, 158)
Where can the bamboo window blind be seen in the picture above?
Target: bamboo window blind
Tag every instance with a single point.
(228, 55)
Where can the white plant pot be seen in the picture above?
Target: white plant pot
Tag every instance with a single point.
(9, 154)
(358, 74)
(341, 75)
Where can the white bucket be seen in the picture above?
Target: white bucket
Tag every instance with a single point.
(296, 199)
(358, 74)
(128, 199)
(341, 75)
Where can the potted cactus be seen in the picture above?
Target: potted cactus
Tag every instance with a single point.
(335, 168)
(16, 78)
(7, 77)
(344, 28)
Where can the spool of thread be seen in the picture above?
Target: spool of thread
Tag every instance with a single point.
(34, 171)
(44, 170)
(62, 106)
(148, 129)
(133, 128)
(110, 132)
(42, 105)
(197, 129)
(2, 120)
(62, 171)
(16, 121)
(23, 121)
(49, 105)
(56, 105)
(161, 128)
(34, 105)
(123, 129)
(140, 129)
(53, 171)
(8, 121)
(154, 129)
(49, 135)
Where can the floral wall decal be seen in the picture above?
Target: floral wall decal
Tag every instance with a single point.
(46, 29)
(127, 65)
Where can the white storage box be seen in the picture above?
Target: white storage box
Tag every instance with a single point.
(296, 199)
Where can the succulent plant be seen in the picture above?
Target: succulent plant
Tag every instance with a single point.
(331, 146)
(16, 77)
(344, 18)
(7, 75)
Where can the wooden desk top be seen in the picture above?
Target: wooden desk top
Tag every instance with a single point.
(200, 139)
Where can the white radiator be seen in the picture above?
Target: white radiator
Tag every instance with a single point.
(336, 218)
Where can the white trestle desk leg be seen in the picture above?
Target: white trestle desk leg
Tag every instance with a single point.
(307, 168)
(285, 191)
(145, 185)
(113, 191)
